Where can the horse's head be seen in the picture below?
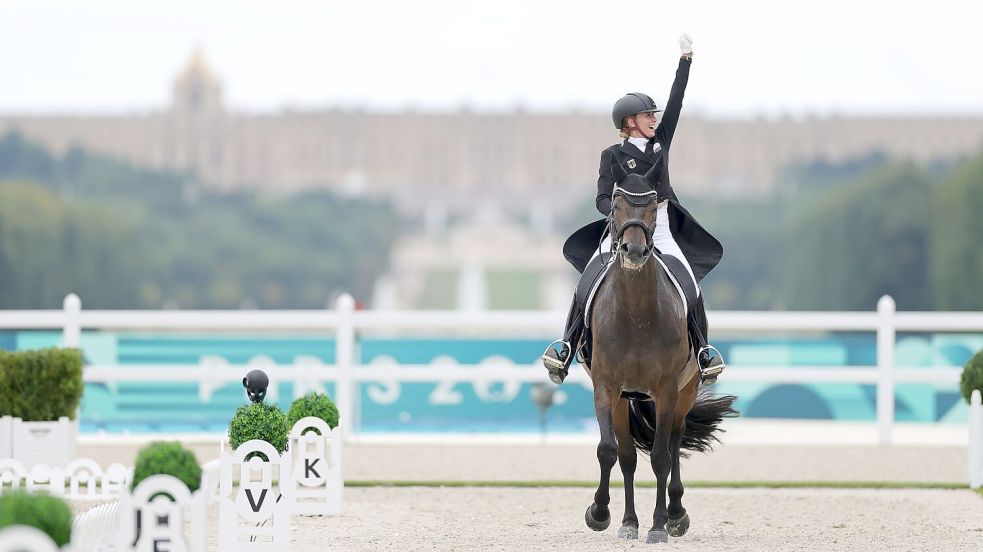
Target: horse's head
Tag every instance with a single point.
(632, 220)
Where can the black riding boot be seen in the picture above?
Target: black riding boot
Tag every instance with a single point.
(557, 361)
(710, 360)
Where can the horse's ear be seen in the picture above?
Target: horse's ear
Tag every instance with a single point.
(650, 175)
(620, 174)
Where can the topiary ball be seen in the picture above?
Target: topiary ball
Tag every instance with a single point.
(972, 377)
(170, 458)
(264, 421)
(41, 511)
(314, 404)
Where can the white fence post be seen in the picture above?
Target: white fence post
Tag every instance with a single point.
(72, 328)
(345, 360)
(885, 368)
(975, 440)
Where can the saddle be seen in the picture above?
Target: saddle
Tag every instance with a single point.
(598, 267)
(594, 273)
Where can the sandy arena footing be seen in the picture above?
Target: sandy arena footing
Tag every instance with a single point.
(520, 519)
(511, 519)
(515, 520)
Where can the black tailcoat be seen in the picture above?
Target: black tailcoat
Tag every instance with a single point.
(702, 250)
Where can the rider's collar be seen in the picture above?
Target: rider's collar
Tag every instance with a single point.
(639, 143)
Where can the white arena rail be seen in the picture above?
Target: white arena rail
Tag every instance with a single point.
(346, 324)
(975, 463)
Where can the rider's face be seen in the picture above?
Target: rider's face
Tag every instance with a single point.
(642, 125)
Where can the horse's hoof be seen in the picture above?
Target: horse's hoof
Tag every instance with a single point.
(657, 536)
(678, 527)
(595, 524)
(628, 532)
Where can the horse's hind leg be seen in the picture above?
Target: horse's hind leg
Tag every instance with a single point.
(598, 516)
(661, 456)
(678, 522)
(627, 458)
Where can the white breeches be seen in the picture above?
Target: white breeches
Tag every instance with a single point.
(662, 240)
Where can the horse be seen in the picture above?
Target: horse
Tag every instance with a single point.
(646, 380)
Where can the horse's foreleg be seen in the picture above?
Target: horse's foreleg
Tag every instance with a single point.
(661, 456)
(678, 522)
(627, 458)
(598, 516)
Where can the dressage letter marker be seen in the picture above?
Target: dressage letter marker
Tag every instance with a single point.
(319, 484)
(255, 521)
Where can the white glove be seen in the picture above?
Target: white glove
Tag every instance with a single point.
(685, 44)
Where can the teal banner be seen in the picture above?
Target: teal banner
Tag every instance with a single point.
(163, 406)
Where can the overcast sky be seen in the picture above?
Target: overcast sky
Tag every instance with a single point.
(752, 57)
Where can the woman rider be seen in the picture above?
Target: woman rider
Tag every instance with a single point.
(647, 141)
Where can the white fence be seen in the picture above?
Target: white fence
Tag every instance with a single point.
(346, 323)
(81, 479)
(975, 460)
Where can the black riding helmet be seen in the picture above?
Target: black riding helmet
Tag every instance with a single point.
(631, 104)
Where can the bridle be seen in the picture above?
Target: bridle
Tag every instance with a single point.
(617, 234)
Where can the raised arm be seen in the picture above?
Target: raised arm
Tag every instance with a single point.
(667, 126)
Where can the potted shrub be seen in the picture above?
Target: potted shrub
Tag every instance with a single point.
(170, 458)
(43, 512)
(314, 404)
(40, 392)
(258, 420)
(972, 377)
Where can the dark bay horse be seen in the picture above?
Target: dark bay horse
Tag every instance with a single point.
(641, 349)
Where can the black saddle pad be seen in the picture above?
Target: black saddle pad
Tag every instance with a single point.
(591, 276)
(595, 272)
(678, 270)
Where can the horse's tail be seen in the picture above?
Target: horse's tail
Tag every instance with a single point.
(702, 422)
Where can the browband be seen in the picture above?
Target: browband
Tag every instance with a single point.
(636, 198)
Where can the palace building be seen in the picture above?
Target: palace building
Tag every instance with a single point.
(460, 156)
(517, 163)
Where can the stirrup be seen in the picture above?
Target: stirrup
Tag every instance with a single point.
(715, 364)
(557, 363)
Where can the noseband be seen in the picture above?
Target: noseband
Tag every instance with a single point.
(637, 200)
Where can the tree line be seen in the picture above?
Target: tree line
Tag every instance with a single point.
(835, 236)
(127, 237)
(838, 237)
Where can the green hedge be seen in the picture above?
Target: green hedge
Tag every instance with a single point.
(972, 377)
(314, 404)
(40, 385)
(169, 458)
(41, 511)
(264, 421)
